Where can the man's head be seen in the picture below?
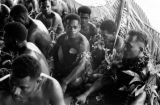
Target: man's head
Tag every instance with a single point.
(15, 34)
(72, 24)
(108, 29)
(54, 2)
(135, 44)
(84, 12)
(25, 77)
(19, 13)
(46, 7)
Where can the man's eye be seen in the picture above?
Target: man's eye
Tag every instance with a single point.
(74, 27)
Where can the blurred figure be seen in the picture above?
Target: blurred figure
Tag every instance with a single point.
(71, 53)
(60, 7)
(88, 29)
(110, 44)
(128, 75)
(28, 86)
(108, 30)
(50, 19)
(37, 32)
(16, 43)
(31, 5)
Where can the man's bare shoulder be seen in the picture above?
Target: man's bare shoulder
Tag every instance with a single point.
(5, 8)
(31, 46)
(38, 27)
(57, 16)
(52, 90)
(50, 82)
(39, 16)
(61, 38)
(92, 25)
(83, 38)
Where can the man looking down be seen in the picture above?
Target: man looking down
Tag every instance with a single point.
(28, 86)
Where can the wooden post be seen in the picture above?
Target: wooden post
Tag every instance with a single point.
(118, 20)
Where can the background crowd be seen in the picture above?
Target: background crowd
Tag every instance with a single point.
(50, 56)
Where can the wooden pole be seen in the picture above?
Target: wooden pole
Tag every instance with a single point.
(118, 20)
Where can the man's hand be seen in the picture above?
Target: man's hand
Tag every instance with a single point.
(81, 99)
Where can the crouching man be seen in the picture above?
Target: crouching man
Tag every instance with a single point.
(28, 86)
(129, 74)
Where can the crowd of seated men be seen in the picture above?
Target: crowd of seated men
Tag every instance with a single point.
(52, 57)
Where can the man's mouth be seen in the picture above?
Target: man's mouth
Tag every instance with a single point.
(18, 98)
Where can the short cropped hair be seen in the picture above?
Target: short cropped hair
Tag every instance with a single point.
(141, 36)
(73, 16)
(108, 25)
(18, 9)
(84, 9)
(16, 30)
(25, 65)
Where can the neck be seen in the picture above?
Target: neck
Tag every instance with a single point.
(28, 23)
(84, 25)
(48, 15)
(72, 36)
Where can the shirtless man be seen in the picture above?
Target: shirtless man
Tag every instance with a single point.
(107, 43)
(60, 7)
(28, 86)
(108, 30)
(37, 32)
(134, 60)
(31, 5)
(88, 29)
(15, 42)
(50, 19)
(70, 52)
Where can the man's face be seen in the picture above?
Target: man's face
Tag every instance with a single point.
(108, 38)
(72, 27)
(132, 47)
(23, 88)
(22, 18)
(84, 18)
(46, 7)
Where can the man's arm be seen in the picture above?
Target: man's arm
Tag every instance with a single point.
(84, 48)
(56, 94)
(58, 25)
(96, 86)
